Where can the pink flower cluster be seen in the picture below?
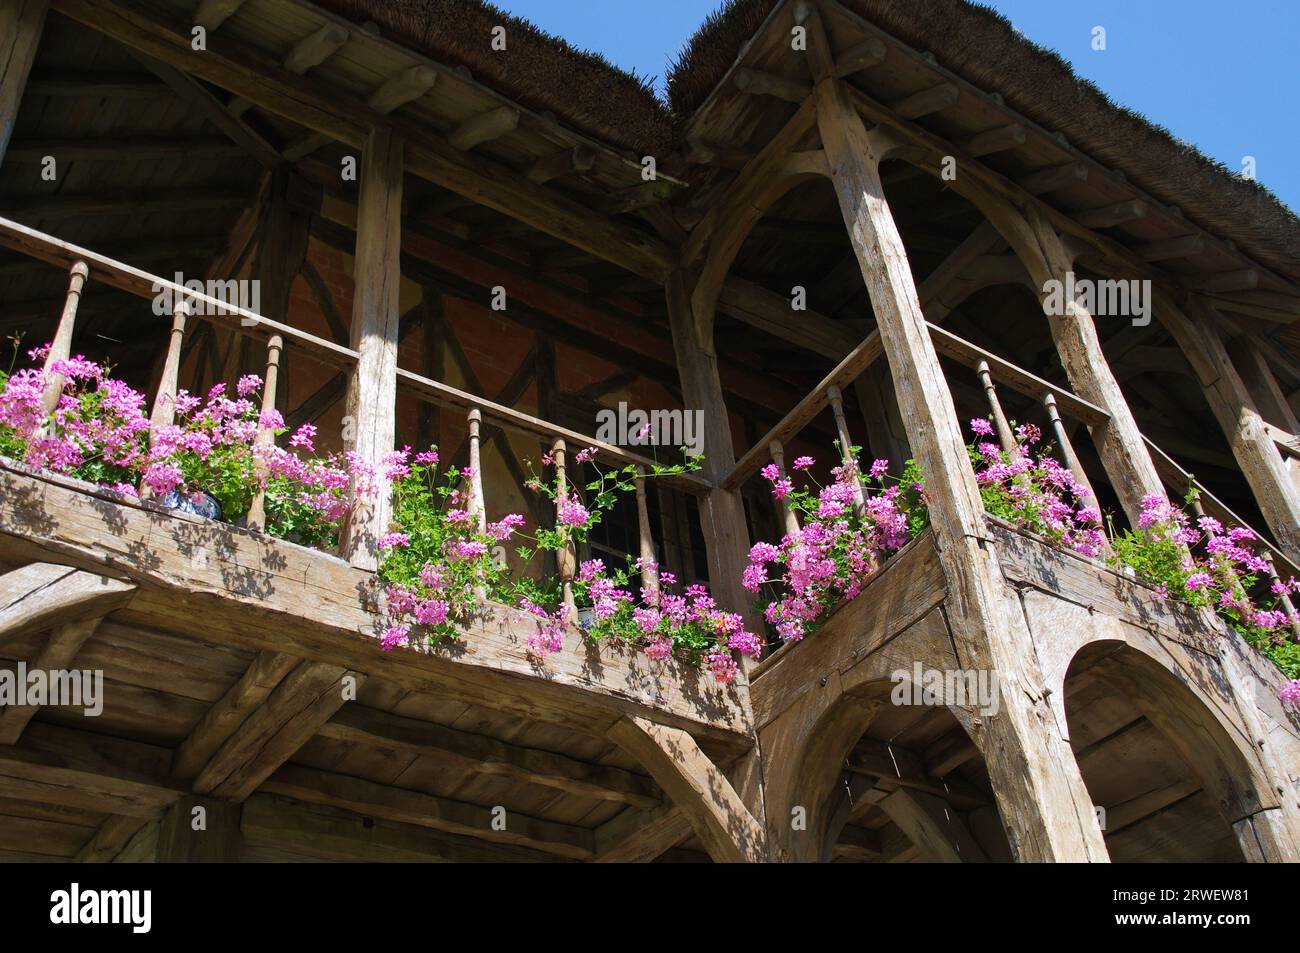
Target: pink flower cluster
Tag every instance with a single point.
(829, 559)
(1035, 493)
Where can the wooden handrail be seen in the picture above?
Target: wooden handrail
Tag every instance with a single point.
(862, 357)
(1015, 377)
(444, 395)
(47, 248)
(844, 374)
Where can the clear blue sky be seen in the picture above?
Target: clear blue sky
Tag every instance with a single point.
(1223, 76)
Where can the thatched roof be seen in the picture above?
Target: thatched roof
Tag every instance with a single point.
(585, 91)
(537, 70)
(981, 46)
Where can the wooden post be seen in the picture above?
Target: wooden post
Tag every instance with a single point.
(649, 561)
(61, 346)
(566, 559)
(722, 512)
(1047, 259)
(477, 504)
(1045, 804)
(164, 399)
(21, 24)
(788, 515)
(1196, 332)
(369, 427)
(1067, 448)
(847, 457)
(1263, 388)
(265, 435)
(1000, 423)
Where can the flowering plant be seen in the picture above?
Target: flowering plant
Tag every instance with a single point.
(1205, 565)
(1033, 491)
(438, 566)
(840, 542)
(99, 432)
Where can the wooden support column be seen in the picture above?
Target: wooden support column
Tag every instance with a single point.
(1119, 442)
(1043, 799)
(199, 830)
(722, 512)
(1261, 384)
(372, 390)
(1196, 332)
(21, 24)
(697, 788)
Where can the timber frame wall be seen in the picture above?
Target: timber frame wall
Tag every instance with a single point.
(722, 769)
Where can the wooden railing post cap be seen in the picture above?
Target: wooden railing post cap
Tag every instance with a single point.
(475, 415)
(833, 392)
(80, 270)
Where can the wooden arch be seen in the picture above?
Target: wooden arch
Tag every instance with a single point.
(1221, 753)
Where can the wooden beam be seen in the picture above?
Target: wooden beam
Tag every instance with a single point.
(88, 771)
(266, 671)
(305, 603)
(407, 86)
(696, 786)
(100, 203)
(21, 25)
(1055, 177)
(45, 595)
(938, 831)
(329, 833)
(1109, 216)
(312, 50)
(1261, 464)
(927, 101)
(484, 127)
(640, 836)
(293, 712)
(261, 80)
(863, 56)
(57, 654)
(111, 838)
(372, 388)
(485, 755)
(1185, 246)
(113, 84)
(210, 14)
(191, 92)
(1224, 281)
(759, 83)
(560, 164)
(1042, 803)
(117, 150)
(999, 139)
(426, 810)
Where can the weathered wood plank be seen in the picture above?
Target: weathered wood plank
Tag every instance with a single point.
(42, 595)
(229, 586)
(485, 755)
(696, 786)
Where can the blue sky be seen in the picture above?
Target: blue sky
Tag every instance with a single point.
(1223, 76)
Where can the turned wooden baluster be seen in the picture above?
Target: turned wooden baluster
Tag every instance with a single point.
(1067, 452)
(61, 346)
(790, 516)
(566, 559)
(1284, 600)
(163, 413)
(265, 435)
(164, 401)
(477, 507)
(649, 567)
(836, 400)
(1005, 437)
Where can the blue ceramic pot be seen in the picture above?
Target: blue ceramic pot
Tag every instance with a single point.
(202, 504)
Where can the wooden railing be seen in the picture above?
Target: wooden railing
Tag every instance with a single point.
(1058, 403)
(84, 266)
